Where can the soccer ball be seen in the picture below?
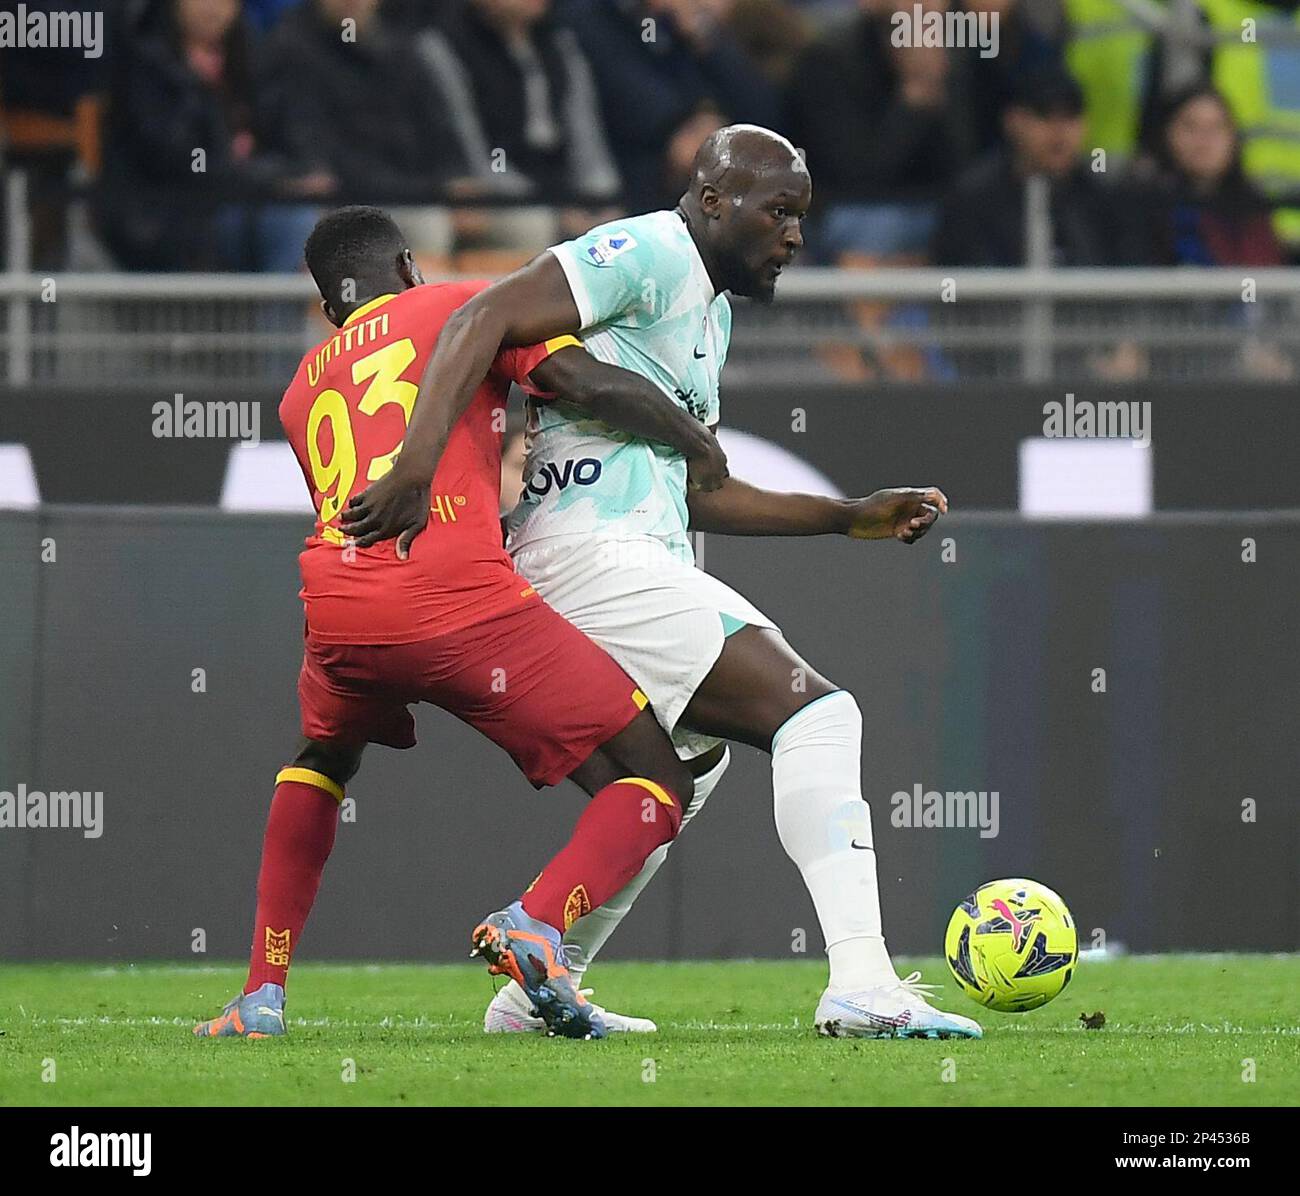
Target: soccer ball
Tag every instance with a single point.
(1012, 945)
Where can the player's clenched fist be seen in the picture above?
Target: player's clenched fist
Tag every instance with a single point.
(904, 512)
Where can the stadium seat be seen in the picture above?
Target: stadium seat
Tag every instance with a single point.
(264, 477)
(774, 468)
(18, 487)
(31, 131)
(1101, 478)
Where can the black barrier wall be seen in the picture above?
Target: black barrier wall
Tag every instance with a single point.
(1164, 808)
(98, 445)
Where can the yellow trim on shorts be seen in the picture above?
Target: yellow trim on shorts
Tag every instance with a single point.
(556, 343)
(660, 793)
(308, 776)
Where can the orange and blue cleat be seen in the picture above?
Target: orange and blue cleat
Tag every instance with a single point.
(531, 954)
(259, 1014)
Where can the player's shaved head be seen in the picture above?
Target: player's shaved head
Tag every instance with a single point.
(748, 193)
(733, 158)
(356, 254)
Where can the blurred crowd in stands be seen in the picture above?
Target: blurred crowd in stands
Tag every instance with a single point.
(210, 133)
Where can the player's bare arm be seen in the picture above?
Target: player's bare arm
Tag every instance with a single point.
(632, 403)
(736, 508)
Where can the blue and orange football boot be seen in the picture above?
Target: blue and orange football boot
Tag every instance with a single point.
(530, 953)
(259, 1014)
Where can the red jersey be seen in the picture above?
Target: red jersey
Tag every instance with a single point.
(345, 413)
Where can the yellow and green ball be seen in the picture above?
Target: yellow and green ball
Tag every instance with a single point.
(1012, 945)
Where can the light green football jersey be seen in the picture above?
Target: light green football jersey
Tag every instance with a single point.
(647, 304)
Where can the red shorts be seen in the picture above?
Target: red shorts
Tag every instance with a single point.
(527, 678)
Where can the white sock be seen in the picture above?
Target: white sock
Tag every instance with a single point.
(825, 828)
(589, 934)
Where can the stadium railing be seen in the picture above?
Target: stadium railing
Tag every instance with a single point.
(924, 324)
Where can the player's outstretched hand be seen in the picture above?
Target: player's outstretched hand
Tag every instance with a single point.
(391, 508)
(902, 512)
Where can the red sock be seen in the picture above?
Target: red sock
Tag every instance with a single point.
(299, 835)
(620, 827)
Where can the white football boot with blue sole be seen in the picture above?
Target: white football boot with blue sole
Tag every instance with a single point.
(511, 1012)
(898, 1010)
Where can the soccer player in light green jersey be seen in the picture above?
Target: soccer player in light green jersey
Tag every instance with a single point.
(610, 492)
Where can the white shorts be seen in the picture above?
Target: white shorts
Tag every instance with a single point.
(664, 621)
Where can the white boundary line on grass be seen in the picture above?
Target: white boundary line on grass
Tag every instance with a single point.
(451, 1023)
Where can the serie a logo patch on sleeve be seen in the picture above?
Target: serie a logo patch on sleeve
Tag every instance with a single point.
(609, 246)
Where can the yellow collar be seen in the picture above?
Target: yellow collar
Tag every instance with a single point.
(366, 308)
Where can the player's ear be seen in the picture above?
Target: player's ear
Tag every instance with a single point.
(408, 270)
(710, 201)
(329, 313)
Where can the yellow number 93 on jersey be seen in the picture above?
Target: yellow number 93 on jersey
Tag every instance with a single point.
(1012, 945)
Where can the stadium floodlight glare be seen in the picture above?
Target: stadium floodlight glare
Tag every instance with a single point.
(263, 477)
(1097, 479)
(18, 488)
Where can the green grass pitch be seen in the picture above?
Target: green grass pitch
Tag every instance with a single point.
(1180, 1030)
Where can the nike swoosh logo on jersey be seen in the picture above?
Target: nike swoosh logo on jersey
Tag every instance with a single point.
(698, 355)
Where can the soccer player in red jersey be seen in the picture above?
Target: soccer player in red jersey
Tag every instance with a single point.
(444, 619)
